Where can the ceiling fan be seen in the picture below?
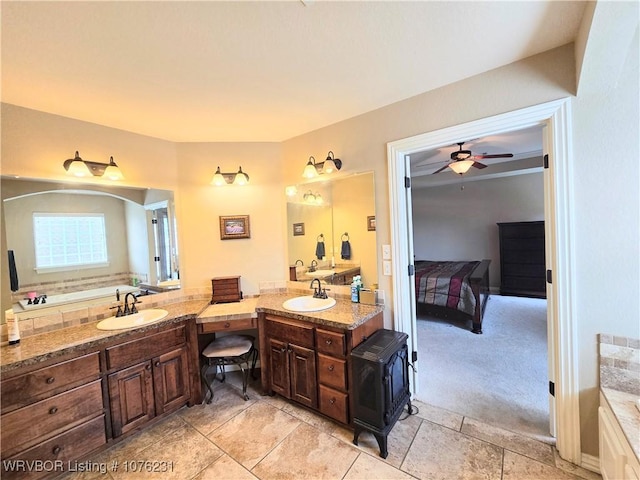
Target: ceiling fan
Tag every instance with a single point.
(463, 160)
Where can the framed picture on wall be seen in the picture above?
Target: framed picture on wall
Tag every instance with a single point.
(236, 226)
(371, 223)
(298, 229)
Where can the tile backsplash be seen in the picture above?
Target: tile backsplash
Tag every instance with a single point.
(37, 321)
(619, 363)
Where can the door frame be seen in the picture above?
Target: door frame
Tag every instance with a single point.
(555, 119)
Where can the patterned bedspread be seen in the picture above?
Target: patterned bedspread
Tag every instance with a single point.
(445, 284)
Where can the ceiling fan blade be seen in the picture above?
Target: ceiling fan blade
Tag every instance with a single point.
(440, 169)
(497, 155)
(479, 165)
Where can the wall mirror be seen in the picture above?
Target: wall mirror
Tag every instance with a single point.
(74, 242)
(333, 212)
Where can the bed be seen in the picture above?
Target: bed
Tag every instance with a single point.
(444, 286)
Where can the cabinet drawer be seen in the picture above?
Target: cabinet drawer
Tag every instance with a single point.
(334, 404)
(144, 348)
(18, 391)
(331, 342)
(66, 447)
(27, 424)
(228, 325)
(332, 372)
(364, 331)
(290, 332)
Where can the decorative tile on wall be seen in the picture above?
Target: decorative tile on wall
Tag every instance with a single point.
(620, 363)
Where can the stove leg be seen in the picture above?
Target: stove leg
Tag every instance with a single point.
(382, 443)
(356, 434)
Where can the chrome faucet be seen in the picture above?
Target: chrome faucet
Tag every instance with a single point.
(318, 292)
(133, 309)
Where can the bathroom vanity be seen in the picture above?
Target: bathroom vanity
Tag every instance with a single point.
(305, 357)
(63, 399)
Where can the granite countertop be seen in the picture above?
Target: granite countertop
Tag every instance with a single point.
(38, 348)
(42, 347)
(623, 405)
(344, 314)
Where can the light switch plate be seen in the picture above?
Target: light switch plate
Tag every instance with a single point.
(386, 267)
(386, 252)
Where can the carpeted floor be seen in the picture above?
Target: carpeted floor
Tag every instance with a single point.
(499, 377)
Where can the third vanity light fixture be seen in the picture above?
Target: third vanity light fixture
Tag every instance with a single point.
(237, 178)
(77, 167)
(330, 165)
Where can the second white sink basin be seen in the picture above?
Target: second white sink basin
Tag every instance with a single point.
(144, 317)
(308, 304)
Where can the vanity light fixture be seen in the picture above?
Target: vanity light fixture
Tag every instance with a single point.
(291, 190)
(312, 198)
(237, 178)
(330, 165)
(77, 167)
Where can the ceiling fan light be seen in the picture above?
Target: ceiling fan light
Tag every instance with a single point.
(461, 166)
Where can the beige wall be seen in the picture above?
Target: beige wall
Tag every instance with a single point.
(604, 184)
(203, 255)
(454, 224)
(20, 235)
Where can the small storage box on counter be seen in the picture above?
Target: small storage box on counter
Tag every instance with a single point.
(368, 297)
(225, 289)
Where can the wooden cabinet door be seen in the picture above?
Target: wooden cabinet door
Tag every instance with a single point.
(131, 397)
(171, 380)
(304, 386)
(279, 367)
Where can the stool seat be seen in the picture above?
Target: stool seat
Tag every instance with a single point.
(229, 346)
(229, 350)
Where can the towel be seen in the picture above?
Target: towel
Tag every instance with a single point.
(345, 253)
(320, 250)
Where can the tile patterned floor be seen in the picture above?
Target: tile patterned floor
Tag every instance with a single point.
(270, 438)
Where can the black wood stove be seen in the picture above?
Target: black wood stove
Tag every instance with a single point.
(380, 372)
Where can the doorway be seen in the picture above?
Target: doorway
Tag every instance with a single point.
(501, 376)
(561, 327)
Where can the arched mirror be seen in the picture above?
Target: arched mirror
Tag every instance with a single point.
(75, 242)
(331, 230)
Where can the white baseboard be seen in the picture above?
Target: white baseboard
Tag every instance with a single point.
(590, 462)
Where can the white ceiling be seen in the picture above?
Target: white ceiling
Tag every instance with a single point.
(257, 71)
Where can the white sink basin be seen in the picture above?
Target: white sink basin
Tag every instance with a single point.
(321, 273)
(143, 317)
(308, 304)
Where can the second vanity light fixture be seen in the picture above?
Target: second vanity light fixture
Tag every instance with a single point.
(330, 165)
(77, 167)
(237, 178)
